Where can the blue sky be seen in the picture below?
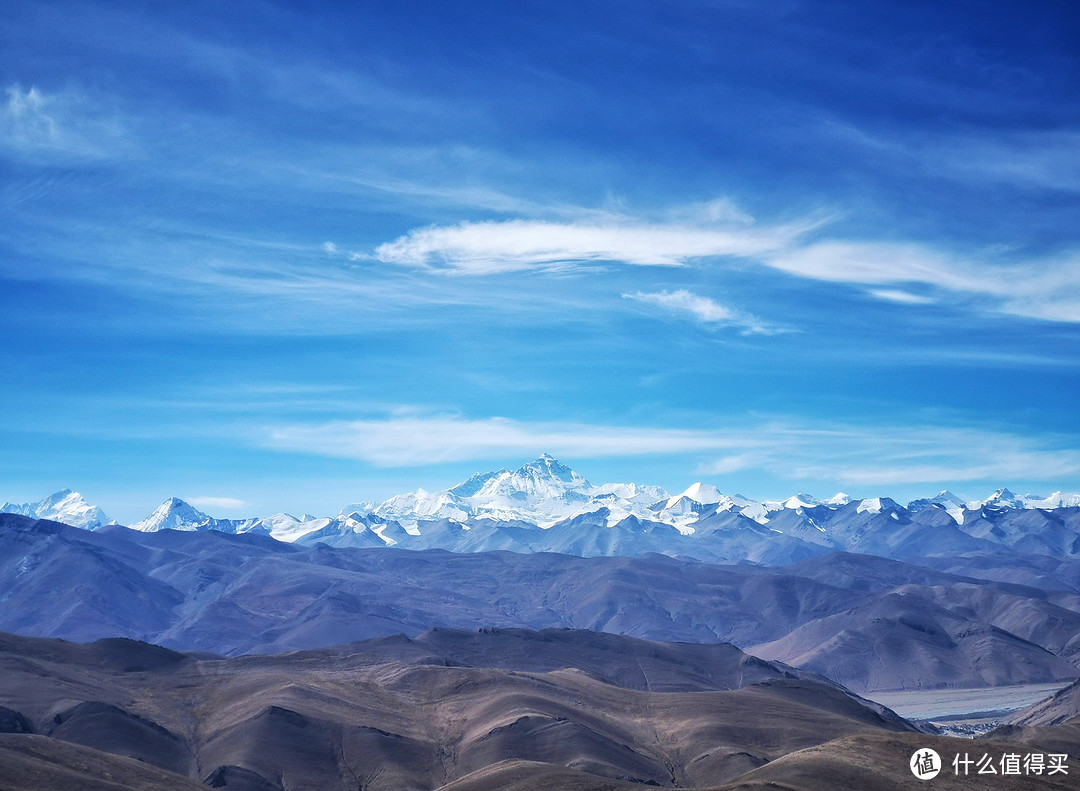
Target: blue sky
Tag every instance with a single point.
(269, 256)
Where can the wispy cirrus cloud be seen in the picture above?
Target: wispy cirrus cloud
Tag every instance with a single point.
(1025, 158)
(838, 453)
(225, 503)
(904, 297)
(1030, 158)
(901, 272)
(482, 248)
(34, 123)
(726, 465)
(871, 263)
(704, 310)
(411, 440)
(1039, 289)
(932, 454)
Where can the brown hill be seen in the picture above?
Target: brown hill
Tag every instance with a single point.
(400, 714)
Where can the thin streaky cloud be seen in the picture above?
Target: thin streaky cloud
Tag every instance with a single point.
(904, 297)
(703, 310)
(1039, 289)
(39, 125)
(839, 452)
(1032, 159)
(872, 263)
(481, 248)
(729, 464)
(225, 503)
(413, 441)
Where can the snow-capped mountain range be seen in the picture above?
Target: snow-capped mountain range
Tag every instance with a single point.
(545, 505)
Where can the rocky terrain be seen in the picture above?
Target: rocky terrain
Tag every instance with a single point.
(453, 710)
(869, 623)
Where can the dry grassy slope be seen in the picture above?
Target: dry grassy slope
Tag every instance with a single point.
(38, 763)
(348, 719)
(879, 762)
(1061, 707)
(905, 640)
(517, 775)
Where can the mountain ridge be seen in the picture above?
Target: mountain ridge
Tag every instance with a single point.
(247, 593)
(544, 505)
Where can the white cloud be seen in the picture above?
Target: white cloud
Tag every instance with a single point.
(907, 273)
(718, 210)
(226, 503)
(405, 440)
(704, 310)
(1041, 159)
(26, 118)
(837, 453)
(479, 248)
(729, 464)
(871, 263)
(919, 453)
(1046, 289)
(905, 297)
(35, 123)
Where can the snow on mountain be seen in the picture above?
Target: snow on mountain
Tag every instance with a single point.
(354, 529)
(701, 493)
(943, 498)
(794, 503)
(875, 505)
(64, 506)
(634, 492)
(546, 506)
(365, 507)
(682, 510)
(173, 514)
(801, 500)
(619, 502)
(953, 505)
(543, 492)
(751, 509)
(1002, 498)
(287, 528)
(409, 509)
(1056, 500)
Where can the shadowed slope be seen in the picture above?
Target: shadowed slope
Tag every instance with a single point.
(236, 594)
(408, 714)
(37, 763)
(880, 762)
(1063, 706)
(903, 640)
